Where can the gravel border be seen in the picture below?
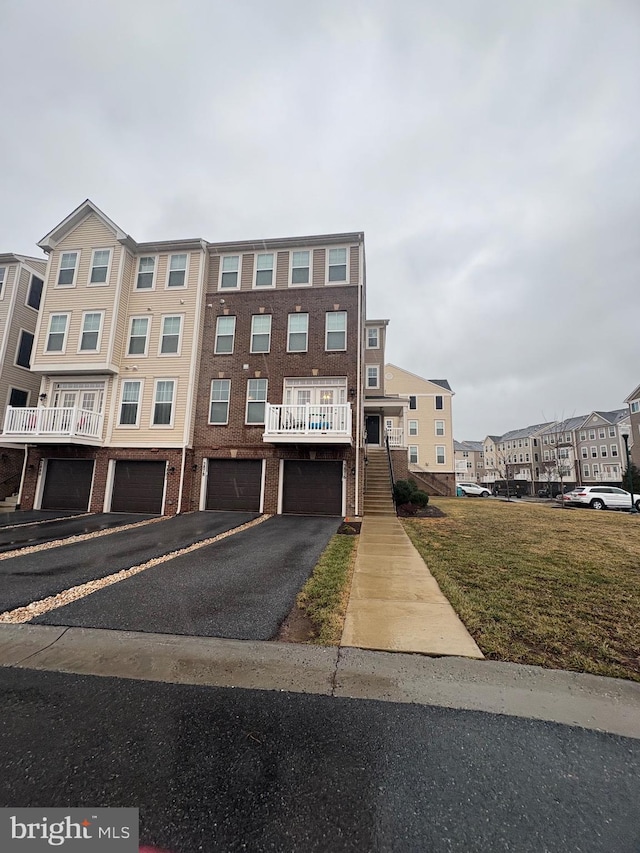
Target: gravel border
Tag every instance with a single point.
(44, 605)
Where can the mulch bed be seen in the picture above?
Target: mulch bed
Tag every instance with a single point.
(413, 511)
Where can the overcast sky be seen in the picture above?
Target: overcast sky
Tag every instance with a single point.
(489, 149)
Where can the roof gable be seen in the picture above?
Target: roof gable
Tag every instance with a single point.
(413, 381)
(71, 222)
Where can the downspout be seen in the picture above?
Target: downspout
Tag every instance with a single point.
(184, 455)
(24, 471)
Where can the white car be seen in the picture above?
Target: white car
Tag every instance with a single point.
(601, 497)
(469, 489)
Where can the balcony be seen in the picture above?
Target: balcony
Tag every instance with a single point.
(395, 436)
(308, 424)
(52, 426)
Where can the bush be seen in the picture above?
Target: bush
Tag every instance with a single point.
(406, 492)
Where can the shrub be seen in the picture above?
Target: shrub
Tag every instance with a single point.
(406, 492)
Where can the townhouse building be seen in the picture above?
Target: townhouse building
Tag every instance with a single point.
(516, 455)
(469, 461)
(599, 448)
(633, 402)
(21, 283)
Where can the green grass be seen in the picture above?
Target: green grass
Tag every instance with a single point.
(325, 595)
(540, 585)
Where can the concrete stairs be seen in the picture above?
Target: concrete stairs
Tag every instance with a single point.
(378, 499)
(9, 503)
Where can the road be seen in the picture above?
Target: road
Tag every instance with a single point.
(220, 769)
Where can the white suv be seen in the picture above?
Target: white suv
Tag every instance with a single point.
(469, 489)
(601, 497)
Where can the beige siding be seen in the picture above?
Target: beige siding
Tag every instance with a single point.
(23, 317)
(282, 270)
(246, 282)
(214, 273)
(318, 267)
(354, 266)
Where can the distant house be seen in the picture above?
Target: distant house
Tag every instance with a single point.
(633, 402)
(469, 460)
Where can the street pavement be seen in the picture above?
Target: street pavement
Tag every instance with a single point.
(242, 587)
(37, 533)
(223, 769)
(30, 577)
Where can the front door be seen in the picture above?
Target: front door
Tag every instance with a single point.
(372, 426)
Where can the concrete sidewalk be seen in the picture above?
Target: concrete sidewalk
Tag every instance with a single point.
(395, 603)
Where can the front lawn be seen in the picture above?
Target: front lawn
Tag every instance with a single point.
(538, 584)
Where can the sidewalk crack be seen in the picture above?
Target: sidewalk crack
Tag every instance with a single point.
(43, 649)
(334, 677)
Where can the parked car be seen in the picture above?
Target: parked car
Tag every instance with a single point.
(601, 497)
(469, 489)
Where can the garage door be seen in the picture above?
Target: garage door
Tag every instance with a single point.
(138, 487)
(67, 484)
(312, 488)
(234, 484)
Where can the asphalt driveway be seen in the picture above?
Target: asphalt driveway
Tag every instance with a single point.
(27, 516)
(30, 577)
(242, 587)
(48, 530)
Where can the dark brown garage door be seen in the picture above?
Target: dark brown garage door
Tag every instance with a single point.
(234, 484)
(67, 484)
(138, 487)
(312, 488)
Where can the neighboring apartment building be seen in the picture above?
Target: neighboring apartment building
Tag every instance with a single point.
(599, 448)
(184, 374)
(21, 282)
(516, 455)
(469, 456)
(633, 402)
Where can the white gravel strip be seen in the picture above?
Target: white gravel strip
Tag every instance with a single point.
(80, 537)
(37, 608)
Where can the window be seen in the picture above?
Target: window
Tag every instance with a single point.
(25, 345)
(336, 330)
(57, 332)
(146, 272)
(225, 334)
(260, 333)
(100, 266)
(68, 269)
(90, 336)
(596, 470)
(298, 333)
(614, 449)
(177, 271)
(612, 432)
(413, 454)
(219, 404)
(264, 270)
(585, 470)
(584, 452)
(170, 335)
(138, 336)
(592, 434)
(601, 432)
(583, 435)
(440, 455)
(439, 427)
(413, 430)
(35, 292)
(563, 453)
(546, 456)
(300, 268)
(603, 450)
(373, 376)
(3, 274)
(256, 399)
(439, 404)
(18, 398)
(373, 337)
(163, 402)
(594, 452)
(337, 265)
(413, 402)
(230, 272)
(527, 458)
(635, 407)
(130, 403)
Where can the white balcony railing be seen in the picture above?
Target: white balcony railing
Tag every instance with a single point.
(41, 421)
(308, 421)
(395, 436)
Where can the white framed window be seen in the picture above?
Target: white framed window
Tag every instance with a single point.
(594, 452)
(68, 269)
(337, 265)
(601, 432)
(614, 449)
(298, 333)
(612, 432)
(336, 331)
(439, 427)
(596, 470)
(300, 269)
(34, 296)
(264, 272)
(592, 435)
(586, 470)
(373, 376)
(163, 397)
(635, 407)
(583, 435)
(229, 273)
(130, 397)
(373, 337)
(413, 430)
(57, 334)
(138, 336)
(100, 264)
(145, 279)
(584, 452)
(439, 404)
(260, 333)
(440, 454)
(225, 335)
(18, 398)
(545, 456)
(177, 272)
(25, 346)
(91, 331)
(413, 454)
(171, 335)
(3, 275)
(256, 399)
(219, 402)
(603, 450)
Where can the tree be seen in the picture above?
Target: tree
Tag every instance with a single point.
(635, 478)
